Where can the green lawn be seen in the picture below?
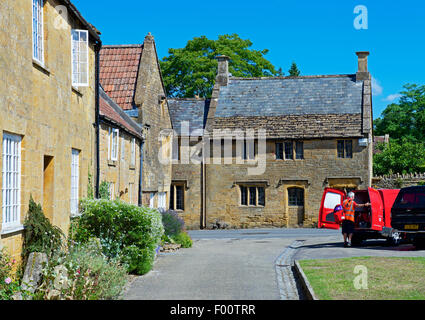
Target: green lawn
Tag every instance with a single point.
(387, 278)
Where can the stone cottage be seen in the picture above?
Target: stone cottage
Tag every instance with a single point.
(130, 75)
(47, 106)
(270, 147)
(119, 144)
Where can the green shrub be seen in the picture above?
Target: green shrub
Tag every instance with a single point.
(104, 190)
(82, 273)
(184, 239)
(40, 235)
(126, 231)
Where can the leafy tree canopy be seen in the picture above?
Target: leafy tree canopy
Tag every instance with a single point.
(191, 71)
(405, 123)
(405, 119)
(402, 156)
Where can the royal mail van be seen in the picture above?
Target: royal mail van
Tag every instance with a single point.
(372, 222)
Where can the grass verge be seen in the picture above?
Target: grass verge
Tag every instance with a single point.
(386, 278)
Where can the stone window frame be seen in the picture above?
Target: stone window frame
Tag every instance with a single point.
(342, 154)
(248, 187)
(283, 155)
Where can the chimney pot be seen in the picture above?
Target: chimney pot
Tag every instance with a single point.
(223, 70)
(362, 72)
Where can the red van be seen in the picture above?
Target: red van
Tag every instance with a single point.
(372, 222)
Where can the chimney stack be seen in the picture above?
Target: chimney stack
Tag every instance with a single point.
(362, 72)
(223, 70)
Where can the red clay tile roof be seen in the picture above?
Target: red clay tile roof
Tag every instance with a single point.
(119, 66)
(109, 110)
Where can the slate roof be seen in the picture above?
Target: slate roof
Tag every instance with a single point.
(111, 112)
(293, 107)
(339, 94)
(119, 67)
(194, 111)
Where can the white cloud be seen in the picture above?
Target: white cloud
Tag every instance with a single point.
(376, 87)
(392, 97)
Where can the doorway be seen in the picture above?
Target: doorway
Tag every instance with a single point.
(48, 190)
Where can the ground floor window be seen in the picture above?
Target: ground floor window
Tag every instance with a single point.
(252, 196)
(177, 197)
(152, 200)
(296, 197)
(11, 177)
(75, 180)
(162, 200)
(111, 190)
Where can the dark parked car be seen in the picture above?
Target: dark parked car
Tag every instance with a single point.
(408, 214)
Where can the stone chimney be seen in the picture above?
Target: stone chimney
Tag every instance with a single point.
(223, 70)
(362, 73)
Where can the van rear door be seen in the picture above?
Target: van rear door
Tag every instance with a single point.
(331, 198)
(388, 196)
(377, 209)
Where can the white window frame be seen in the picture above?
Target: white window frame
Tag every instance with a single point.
(133, 152)
(152, 200)
(11, 185)
(162, 200)
(130, 192)
(111, 191)
(122, 148)
(75, 181)
(38, 31)
(79, 56)
(113, 144)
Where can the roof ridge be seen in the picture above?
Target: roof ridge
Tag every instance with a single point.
(111, 46)
(299, 77)
(189, 99)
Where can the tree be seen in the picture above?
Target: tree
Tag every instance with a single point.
(405, 123)
(192, 70)
(405, 119)
(293, 71)
(402, 156)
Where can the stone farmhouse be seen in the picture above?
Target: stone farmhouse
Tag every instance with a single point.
(131, 76)
(269, 148)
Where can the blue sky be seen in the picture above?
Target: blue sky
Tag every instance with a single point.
(318, 35)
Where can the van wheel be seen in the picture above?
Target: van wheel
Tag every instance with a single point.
(394, 240)
(356, 240)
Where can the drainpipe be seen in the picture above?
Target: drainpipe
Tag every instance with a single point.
(203, 191)
(142, 145)
(98, 46)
